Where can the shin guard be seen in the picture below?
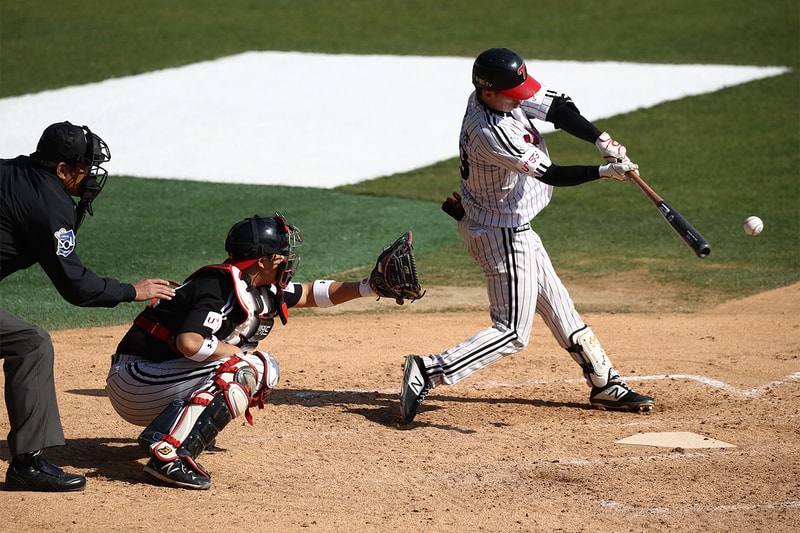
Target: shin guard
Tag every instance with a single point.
(587, 352)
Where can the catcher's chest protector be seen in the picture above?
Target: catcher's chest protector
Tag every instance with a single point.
(258, 304)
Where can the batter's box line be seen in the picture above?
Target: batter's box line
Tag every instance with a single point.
(711, 382)
(694, 507)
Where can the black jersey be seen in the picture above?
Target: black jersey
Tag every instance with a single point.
(37, 221)
(207, 303)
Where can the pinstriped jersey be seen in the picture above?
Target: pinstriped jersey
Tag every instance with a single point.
(502, 154)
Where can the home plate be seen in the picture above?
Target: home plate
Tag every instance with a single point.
(674, 439)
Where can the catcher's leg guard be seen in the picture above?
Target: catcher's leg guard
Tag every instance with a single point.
(185, 429)
(587, 352)
(161, 425)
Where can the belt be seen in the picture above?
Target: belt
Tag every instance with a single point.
(524, 227)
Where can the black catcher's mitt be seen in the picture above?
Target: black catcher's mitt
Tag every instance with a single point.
(395, 273)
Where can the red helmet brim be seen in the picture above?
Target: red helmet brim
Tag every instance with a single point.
(524, 90)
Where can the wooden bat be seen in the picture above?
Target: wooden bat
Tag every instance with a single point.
(682, 227)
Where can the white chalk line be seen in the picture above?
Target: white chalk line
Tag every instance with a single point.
(705, 380)
(694, 507)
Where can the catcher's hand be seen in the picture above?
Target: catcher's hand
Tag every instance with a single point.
(395, 273)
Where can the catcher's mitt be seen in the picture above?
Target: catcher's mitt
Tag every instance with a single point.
(395, 273)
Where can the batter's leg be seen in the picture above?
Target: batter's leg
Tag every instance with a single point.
(507, 259)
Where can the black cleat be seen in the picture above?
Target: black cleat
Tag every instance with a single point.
(180, 472)
(32, 472)
(414, 388)
(618, 396)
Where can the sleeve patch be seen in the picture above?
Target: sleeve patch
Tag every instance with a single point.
(65, 242)
(213, 321)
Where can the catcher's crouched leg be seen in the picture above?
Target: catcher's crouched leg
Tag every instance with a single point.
(185, 429)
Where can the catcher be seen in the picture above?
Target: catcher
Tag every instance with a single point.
(189, 365)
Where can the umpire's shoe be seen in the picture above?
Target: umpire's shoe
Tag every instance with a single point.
(618, 396)
(414, 388)
(31, 471)
(180, 472)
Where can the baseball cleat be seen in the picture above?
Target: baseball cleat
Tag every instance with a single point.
(414, 388)
(618, 396)
(179, 473)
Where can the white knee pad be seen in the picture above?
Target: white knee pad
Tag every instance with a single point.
(237, 398)
(587, 352)
(268, 370)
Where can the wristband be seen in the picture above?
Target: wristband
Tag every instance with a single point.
(365, 289)
(322, 295)
(206, 350)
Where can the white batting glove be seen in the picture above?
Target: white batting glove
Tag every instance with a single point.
(618, 171)
(611, 150)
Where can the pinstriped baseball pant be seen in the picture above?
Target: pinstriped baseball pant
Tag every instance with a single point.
(140, 389)
(521, 282)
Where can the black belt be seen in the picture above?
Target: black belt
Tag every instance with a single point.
(524, 227)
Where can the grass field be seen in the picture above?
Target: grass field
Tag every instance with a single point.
(717, 157)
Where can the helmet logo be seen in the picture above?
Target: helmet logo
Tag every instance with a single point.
(522, 72)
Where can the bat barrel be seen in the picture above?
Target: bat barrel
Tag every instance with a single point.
(685, 230)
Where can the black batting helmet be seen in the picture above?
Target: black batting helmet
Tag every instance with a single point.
(504, 71)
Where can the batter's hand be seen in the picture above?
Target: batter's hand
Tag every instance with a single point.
(611, 150)
(148, 289)
(618, 171)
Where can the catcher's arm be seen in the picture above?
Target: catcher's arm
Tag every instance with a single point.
(395, 274)
(327, 292)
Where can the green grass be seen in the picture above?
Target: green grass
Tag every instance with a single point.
(716, 158)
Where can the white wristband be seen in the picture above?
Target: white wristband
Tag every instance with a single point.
(206, 350)
(322, 295)
(364, 288)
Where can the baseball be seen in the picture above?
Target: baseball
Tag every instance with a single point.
(753, 225)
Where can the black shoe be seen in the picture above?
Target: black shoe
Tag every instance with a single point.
(31, 471)
(618, 396)
(414, 388)
(180, 472)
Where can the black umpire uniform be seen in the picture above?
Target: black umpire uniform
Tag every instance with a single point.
(38, 224)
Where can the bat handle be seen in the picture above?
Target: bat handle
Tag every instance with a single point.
(650, 193)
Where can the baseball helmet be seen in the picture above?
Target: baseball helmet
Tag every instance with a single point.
(257, 236)
(504, 71)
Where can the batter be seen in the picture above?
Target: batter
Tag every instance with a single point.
(507, 178)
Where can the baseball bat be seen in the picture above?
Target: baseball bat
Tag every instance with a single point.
(682, 227)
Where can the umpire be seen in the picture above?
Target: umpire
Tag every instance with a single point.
(39, 220)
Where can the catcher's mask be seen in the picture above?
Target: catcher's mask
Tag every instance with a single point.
(504, 71)
(257, 236)
(73, 144)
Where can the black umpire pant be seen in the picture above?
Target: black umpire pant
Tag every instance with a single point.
(30, 390)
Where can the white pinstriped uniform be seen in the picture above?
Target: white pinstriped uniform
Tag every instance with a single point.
(502, 154)
(139, 389)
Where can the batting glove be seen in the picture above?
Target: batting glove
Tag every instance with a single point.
(618, 171)
(611, 150)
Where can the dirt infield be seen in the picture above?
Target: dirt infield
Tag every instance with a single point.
(513, 448)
